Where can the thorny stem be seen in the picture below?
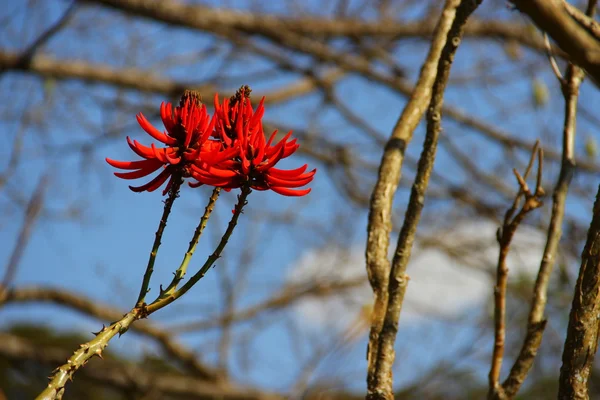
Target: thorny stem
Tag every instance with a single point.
(379, 379)
(532, 200)
(180, 273)
(173, 194)
(536, 322)
(164, 299)
(86, 351)
(56, 387)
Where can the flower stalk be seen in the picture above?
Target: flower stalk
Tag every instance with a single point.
(164, 299)
(181, 271)
(173, 194)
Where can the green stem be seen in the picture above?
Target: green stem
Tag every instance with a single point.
(180, 273)
(173, 194)
(56, 387)
(94, 347)
(165, 300)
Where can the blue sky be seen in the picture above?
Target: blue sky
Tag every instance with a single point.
(104, 254)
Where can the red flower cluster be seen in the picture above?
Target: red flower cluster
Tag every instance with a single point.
(188, 127)
(229, 151)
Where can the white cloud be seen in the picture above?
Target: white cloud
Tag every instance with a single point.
(440, 286)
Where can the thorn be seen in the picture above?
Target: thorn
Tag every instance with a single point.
(99, 353)
(100, 331)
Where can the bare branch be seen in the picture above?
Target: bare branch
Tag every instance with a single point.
(129, 377)
(107, 313)
(581, 344)
(532, 200)
(574, 39)
(380, 210)
(32, 212)
(379, 380)
(536, 322)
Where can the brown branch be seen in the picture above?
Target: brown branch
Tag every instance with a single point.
(584, 20)
(32, 212)
(142, 80)
(104, 312)
(379, 379)
(287, 296)
(552, 16)
(532, 200)
(582, 333)
(380, 209)
(138, 79)
(130, 78)
(536, 322)
(128, 377)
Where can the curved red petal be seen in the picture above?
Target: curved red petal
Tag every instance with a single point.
(214, 157)
(166, 114)
(133, 164)
(172, 160)
(270, 163)
(287, 173)
(154, 183)
(152, 131)
(140, 150)
(291, 183)
(159, 154)
(290, 192)
(272, 137)
(136, 174)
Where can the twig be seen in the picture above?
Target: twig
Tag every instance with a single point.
(552, 60)
(536, 322)
(513, 218)
(582, 333)
(381, 357)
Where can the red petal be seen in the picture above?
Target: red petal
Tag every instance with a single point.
(154, 183)
(166, 114)
(272, 138)
(274, 160)
(221, 173)
(287, 173)
(217, 157)
(140, 150)
(290, 192)
(172, 160)
(152, 131)
(141, 164)
(288, 183)
(136, 174)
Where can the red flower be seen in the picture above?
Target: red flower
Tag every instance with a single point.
(188, 128)
(246, 156)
